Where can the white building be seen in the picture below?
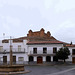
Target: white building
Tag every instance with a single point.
(38, 47)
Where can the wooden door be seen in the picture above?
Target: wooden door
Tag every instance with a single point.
(39, 60)
(73, 59)
(5, 59)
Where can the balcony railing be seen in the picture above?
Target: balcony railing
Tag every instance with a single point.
(14, 50)
(39, 54)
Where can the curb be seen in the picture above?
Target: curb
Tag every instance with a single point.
(10, 73)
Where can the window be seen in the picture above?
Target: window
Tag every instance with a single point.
(34, 50)
(54, 50)
(1, 48)
(73, 51)
(44, 50)
(21, 59)
(14, 59)
(19, 47)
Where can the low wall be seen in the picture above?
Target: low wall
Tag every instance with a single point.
(13, 68)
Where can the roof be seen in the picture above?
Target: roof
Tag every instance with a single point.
(38, 37)
(20, 39)
(45, 42)
(70, 45)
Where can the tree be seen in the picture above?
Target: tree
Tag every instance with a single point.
(63, 53)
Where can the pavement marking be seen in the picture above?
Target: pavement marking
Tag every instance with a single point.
(61, 72)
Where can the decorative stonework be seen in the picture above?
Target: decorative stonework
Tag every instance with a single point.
(32, 36)
(40, 33)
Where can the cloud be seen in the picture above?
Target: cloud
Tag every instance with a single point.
(65, 5)
(65, 27)
(13, 21)
(8, 22)
(67, 24)
(2, 3)
(48, 3)
(20, 20)
(65, 31)
(24, 3)
(57, 16)
(3, 23)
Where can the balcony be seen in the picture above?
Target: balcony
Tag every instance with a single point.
(14, 50)
(41, 54)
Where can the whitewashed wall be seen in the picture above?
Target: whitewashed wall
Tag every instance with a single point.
(29, 50)
(70, 56)
(6, 46)
(40, 48)
(49, 50)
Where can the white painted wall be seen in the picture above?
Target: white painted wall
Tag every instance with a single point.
(35, 58)
(40, 48)
(29, 50)
(49, 50)
(70, 56)
(44, 58)
(6, 46)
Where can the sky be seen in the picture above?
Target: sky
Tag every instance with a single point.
(17, 17)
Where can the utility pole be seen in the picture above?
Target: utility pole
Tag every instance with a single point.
(3, 35)
(11, 57)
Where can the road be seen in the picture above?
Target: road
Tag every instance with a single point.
(50, 70)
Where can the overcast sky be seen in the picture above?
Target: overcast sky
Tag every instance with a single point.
(56, 16)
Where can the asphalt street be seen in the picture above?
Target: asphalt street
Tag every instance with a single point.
(50, 70)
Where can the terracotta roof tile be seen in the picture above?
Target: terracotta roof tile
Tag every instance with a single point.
(45, 42)
(70, 45)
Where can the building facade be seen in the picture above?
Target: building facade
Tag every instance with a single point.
(38, 47)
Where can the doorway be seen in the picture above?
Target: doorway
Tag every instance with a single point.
(48, 59)
(39, 60)
(55, 59)
(73, 59)
(30, 58)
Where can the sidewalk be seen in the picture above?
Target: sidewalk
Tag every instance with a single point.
(50, 64)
